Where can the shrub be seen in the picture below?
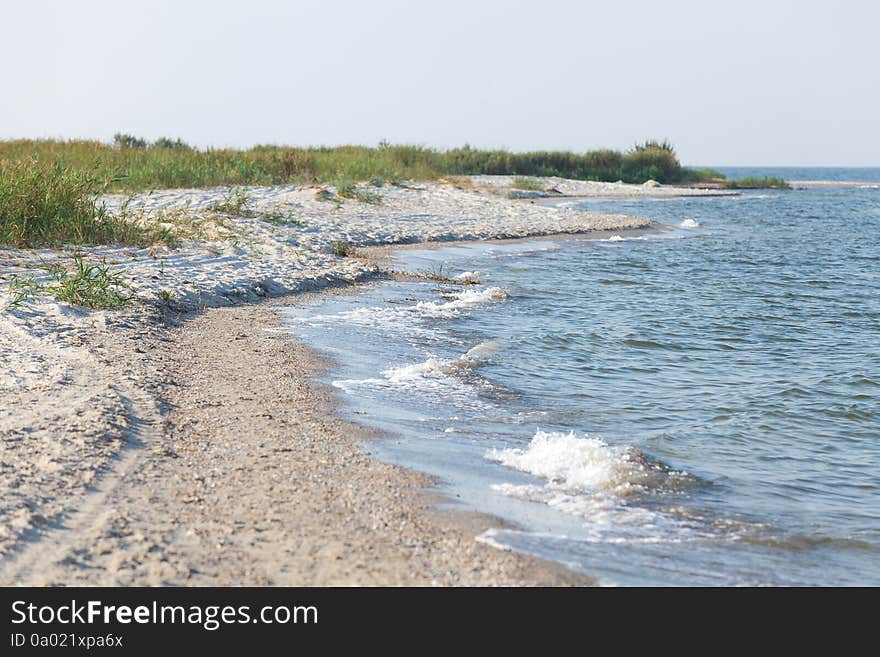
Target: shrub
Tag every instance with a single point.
(651, 160)
(704, 174)
(123, 140)
(173, 144)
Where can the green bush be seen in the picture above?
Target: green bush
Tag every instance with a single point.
(651, 161)
(123, 140)
(175, 144)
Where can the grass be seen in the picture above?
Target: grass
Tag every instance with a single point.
(21, 289)
(527, 184)
(342, 249)
(279, 218)
(349, 189)
(133, 165)
(767, 182)
(703, 174)
(90, 285)
(46, 204)
(232, 204)
(50, 189)
(327, 196)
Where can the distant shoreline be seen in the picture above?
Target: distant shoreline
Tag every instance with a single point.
(796, 184)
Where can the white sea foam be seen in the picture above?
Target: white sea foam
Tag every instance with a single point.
(590, 464)
(364, 316)
(595, 507)
(442, 367)
(459, 301)
(407, 316)
(351, 385)
(489, 537)
(616, 238)
(433, 367)
(469, 277)
(689, 223)
(482, 351)
(588, 478)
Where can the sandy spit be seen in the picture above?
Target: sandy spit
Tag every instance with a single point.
(178, 442)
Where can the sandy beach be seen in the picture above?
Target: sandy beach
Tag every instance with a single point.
(181, 441)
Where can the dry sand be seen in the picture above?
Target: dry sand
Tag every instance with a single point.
(180, 443)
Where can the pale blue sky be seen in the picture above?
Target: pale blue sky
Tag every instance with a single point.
(763, 83)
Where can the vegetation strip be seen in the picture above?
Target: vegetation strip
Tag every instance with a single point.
(50, 190)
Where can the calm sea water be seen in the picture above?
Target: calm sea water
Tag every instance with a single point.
(850, 174)
(700, 406)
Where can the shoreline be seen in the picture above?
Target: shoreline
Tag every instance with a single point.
(99, 441)
(382, 254)
(807, 184)
(247, 479)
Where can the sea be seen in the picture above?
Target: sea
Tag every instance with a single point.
(698, 406)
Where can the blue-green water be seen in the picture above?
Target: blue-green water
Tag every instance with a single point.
(700, 406)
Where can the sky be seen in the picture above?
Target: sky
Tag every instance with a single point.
(744, 83)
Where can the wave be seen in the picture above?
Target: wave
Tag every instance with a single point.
(440, 367)
(571, 463)
(590, 479)
(459, 301)
(689, 223)
(403, 315)
(471, 277)
(631, 238)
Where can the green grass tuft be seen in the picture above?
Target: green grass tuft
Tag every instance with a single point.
(232, 204)
(342, 249)
(90, 285)
(527, 184)
(278, 218)
(767, 182)
(49, 204)
(346, 188)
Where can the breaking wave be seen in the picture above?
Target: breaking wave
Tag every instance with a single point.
(441, 367)
(459, 301)
(570, 463)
